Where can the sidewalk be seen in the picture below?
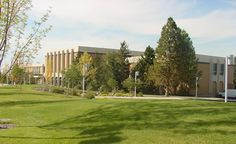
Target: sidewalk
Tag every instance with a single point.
(165, 98)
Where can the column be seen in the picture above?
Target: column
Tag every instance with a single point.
(71, 56)
(63, 60)
(62, 65)
(51, 68)
(58, 67)
(45, 71)
(54, 68)
(67, 57)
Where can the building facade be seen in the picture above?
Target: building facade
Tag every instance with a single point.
(35, 72)
(209, 84)
(213, 75)
(56, 62)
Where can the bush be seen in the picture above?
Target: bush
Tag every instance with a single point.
(140, 94)
(57, 90)
(122, 94)
(90, 95)
(104, 93)
(73, 92)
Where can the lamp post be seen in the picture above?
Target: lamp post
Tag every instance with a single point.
(135, 79)
(226, 79)
(84, 66)
(197, 78)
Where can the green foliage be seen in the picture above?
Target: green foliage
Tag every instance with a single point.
(87, 69)
(140, 94)
(90, 95)
(72, 76)
(144, 63)
(112, 84)
(16, 36)
(17, 74)
(124, 49)
(104, 93)
(119, 65)
(176, 65)
(57, 90)
(103, 76)
(73, 92)
(4, 78)
(129, 84)
(143, 66)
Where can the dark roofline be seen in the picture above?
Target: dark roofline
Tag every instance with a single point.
(105, 50)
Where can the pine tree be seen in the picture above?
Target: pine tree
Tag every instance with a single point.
(176, 65)
(144, 63)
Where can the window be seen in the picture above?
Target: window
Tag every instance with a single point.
(214, 69)
(222, 69)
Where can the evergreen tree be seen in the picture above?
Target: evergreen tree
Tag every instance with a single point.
(176, 65)
(187, 65)
(124, 49)
(120, 64)
(143, 66)
(144, 63)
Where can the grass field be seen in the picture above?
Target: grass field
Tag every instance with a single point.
(44, 118)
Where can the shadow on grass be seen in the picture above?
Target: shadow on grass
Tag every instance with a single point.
(30, 102)
(106, 123)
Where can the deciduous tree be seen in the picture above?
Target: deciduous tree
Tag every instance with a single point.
(15, 35)
(17, 74)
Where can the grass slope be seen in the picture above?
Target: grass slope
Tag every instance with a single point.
(44, 118)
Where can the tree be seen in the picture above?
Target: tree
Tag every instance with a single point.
(120, 64)
(175, 66)
(105, 72)
(124, 49)
(72, 76)
(17, 74)
(129, 84)
(142, 66)
(14, 31)
(144, 63)
(187, 65)
(86, 68)
(104, 79)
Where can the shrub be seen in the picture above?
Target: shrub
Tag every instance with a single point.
(104, 93)
(57, 90)
(90, 95)
(140, 94)
(122, 94)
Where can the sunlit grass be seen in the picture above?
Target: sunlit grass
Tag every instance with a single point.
(45, 118)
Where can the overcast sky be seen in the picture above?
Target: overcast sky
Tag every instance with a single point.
(105, 23)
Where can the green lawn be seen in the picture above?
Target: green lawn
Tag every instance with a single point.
(44, 118)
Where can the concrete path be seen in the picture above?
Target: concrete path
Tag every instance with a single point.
(165, 98)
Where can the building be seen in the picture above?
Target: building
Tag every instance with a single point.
(35, 72)
(56, 62)
(213, 75)
(209, 84)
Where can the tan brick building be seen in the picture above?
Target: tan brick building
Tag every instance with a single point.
(56, 62)
(213, 75)
(210, 83)
(36, 72)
